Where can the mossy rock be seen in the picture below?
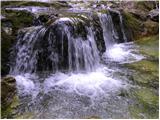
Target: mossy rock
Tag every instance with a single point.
(9, 97)
(139, 25)
(146, 105)
(137, 112)
(55, 4)
(149, 46)
(145, 5)
(10, 111)
(147, 97)
(19, 19)
(144, 65)
(133, 24)
(8, 87)
(151, 27)
(146, 79)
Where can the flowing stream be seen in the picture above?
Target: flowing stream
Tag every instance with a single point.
(60, 72)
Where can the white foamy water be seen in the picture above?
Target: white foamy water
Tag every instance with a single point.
(92, 84)
(89, 84)
(123, 53)
(26, 84)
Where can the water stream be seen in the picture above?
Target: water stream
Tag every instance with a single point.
(61, 74)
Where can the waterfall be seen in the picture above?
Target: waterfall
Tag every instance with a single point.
(54, 48)
(120, 22)
(109, 33)
(25, 50)
(82, 52)
(68, 44)
(71, 66)
(122, 27)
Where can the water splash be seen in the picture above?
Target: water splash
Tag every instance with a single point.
(123, 53)
(91, 84)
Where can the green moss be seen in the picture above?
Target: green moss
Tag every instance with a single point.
(137, 112)
(55, 4)
(146, 72)
(80, 22)
(144, 66)
(19, 19)
(146, 79)
(133, 23)
(145, 5)
(9, 111)
(104, 11)
(147, 97)
(152, 28)
(149, 46)
(147, 104)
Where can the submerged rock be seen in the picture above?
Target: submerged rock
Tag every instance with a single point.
(147, 97)
(147, 105)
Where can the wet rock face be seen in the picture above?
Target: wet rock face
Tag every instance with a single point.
(141, 18)
(8, 88)
(7, 26)
(9, 97)
(98, 34)
(6, 43)
(41, 20)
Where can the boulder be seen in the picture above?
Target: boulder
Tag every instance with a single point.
(154, 15)
(9, 98)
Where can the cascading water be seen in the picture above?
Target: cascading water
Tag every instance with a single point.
(114, 51)
(109, 34)
(75, 78)
(37, 46)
